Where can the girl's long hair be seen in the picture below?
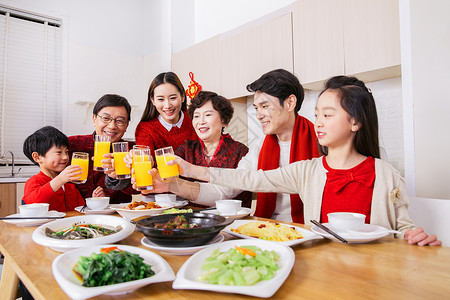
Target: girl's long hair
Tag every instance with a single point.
(357, 100)
(150, 111)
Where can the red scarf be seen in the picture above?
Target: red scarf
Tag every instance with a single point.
(303, 146)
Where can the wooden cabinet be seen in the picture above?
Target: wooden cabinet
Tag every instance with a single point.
(203, 61)
(249, 54)
(351, 37)
(371, 36)
(225, 64)
(318, 42)
(7, 199)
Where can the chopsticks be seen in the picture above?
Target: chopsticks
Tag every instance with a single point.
(325, 228)
(29, 218)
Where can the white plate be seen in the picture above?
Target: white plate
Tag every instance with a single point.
(131, 214)
(369, 233)
(307, 235)
(34, 222)
(40, 238)
(180, 250)
(180, 204)
(72, 286)
(245, 211)
(107, 211)
(186, 276)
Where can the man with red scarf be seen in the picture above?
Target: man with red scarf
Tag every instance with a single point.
(289, 138)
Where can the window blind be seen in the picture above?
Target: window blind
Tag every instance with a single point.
(30, 79)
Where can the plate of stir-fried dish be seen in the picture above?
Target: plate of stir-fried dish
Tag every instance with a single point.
(70, 233)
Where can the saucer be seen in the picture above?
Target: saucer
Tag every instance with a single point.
(107, 211)
(34, 222)
(369, 233)
(243, 212)
(180, 250)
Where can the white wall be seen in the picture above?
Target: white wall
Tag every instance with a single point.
(111, 47)
(430, 65)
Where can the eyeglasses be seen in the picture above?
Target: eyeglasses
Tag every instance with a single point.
(107, 120)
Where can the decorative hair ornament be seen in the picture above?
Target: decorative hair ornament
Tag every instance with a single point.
(193, 87)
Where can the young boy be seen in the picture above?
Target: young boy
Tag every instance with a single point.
(48, 148)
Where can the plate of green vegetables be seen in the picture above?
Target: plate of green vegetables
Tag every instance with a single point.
(255, 268)
(108, 269)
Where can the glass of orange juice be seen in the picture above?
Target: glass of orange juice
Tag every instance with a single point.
(142, 161)
(120, 150)
(137, 147)
(162, 156)
(101, 147)
(81, 159)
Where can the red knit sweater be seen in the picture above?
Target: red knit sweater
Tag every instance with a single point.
(38, 190)
(153, 134)
(349, 190)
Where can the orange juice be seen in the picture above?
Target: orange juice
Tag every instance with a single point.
(166, 171)
(84, 164)
(100, 149)
(122, 170)
(138, 158)
(143, 179)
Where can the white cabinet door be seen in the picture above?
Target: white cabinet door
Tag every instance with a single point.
(251, 53)
(203, 61)
(318, 41)
(372, 38)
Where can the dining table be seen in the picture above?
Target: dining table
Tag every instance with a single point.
(386, 268)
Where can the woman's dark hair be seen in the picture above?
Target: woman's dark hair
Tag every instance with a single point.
(43, 140)
(357, 100)
(150, 111)
(219, 103)
(281, 84)
(112, 100)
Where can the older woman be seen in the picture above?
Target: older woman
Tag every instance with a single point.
(210, 114)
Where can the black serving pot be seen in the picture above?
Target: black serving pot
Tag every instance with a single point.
(210, 226)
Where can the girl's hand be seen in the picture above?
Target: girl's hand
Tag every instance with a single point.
(108, 162)
(419, 237)
(190, 170)
(98, 192)
(159, 186)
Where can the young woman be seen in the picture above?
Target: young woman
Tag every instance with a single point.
(165, 121)
(350, 177)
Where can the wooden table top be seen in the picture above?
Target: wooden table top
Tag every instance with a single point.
(387, 268)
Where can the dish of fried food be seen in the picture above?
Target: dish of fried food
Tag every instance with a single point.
(268, 231)
(138, 205)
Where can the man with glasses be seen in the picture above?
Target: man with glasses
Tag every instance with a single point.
(110, 117)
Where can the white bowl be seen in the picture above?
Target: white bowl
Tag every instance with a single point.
(97, 203)
(72, 286)
(228, 207)
(131, 214)
(39, 236)
(34, 210)
(343, 221)
(165, 198)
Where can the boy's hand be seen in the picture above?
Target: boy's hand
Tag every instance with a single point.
(70, 173)
(419, 237)
(98, 192)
